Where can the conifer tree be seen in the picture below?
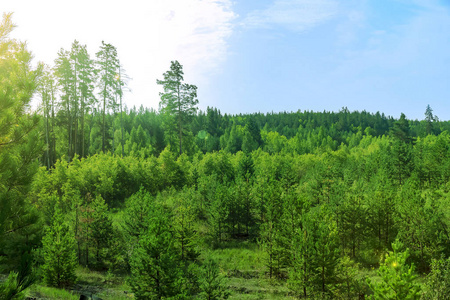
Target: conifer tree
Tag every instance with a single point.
(108, 68)
(437, 285)
(430, 119)
(136, 214)
(155, 269)
(212, 282)
(47, 91)
(178, 101)
(303, 271)
(101, 226)
(397, 277)
(183, 228)
(60, 258)
(20, 146)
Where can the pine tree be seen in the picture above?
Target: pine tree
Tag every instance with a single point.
(212, 285)
(178, 101)
(66, 79)
(20, 145)
(183, 224)
(108, 68)
(397, 277)
(136, 214)
(101, 227)
(59, 254)
(218, 214)
(85, 77)
(47, 91)
(430, 119)
(155, 263)
(437, 285)
(303, 271)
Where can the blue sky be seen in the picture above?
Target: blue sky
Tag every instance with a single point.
(387, 56)
(390, 56)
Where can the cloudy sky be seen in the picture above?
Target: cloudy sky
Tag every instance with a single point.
(390, 56)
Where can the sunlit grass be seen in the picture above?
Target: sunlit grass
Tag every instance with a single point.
(39, 291)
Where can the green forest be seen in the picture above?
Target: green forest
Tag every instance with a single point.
(102, 201)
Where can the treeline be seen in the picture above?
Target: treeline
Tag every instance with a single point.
(141, 132)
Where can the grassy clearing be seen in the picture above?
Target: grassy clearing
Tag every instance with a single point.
(242, 263)
(105, 285)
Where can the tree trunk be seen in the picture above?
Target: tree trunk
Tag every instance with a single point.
(104, 112)
(82, 126)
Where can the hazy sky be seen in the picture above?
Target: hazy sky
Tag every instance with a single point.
(390, 56)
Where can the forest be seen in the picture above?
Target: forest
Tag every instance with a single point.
(102, 201)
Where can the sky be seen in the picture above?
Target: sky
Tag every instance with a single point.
(391, 56)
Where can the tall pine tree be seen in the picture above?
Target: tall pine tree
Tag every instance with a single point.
(178, 101)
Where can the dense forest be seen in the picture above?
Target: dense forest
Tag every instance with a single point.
(107, 201)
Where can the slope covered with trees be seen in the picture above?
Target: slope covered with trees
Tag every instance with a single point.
(185, 204)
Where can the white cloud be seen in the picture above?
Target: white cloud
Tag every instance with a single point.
(147, 34)
(297, 15)
(197, 32)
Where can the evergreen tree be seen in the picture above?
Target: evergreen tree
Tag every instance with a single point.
(303, 271)
(17, 282)
(47, 91)
(101, 227)
(326, 253)
(59, 254)
(437, 285)
(178, 101)
(155, 269)
(397, 277)
(20, 146)
(85, 73)
(183, 224)
(430, 119)
(108, 68)
(66, 79)
(212, 282)
(218, 214)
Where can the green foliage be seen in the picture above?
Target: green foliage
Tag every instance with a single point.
(437, 284)
(314, 254)
(348, 285)
(212, 285)
(155, 263)
(137, 212)
(11, 289)
(183, 226)
(108, 67)
(101, 228)
(178, 101)
(312, 188)
(18, 282)
(59, 254)
(20, 146)
(397, 277)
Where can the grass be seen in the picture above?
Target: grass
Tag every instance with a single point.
(39, 291)
(242, 263)
(101, 284)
